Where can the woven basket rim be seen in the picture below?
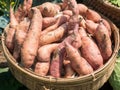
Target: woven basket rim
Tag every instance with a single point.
(95, 75)
(110, 5)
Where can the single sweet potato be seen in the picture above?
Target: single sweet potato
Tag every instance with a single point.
(48, 21)
(82, 32)
(49, 9)
(67, 12)
(104, 42)
(91, 52)
(69, 72)
(44, 52)
(31, 42)
(82, 9)
(20, 35)
(41, 68)
(91, 26)
(61, 20)
(53, 36)
(107, 25)
(9, 40)
(92, 15)
(78, 63)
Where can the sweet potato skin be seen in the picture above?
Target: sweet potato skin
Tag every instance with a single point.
(20, 35)
(42, 68)
(9, 41)
(54, 35)
(90, 51)
(31, 43)
(104, 42)
(92, 15)
(78, 63)
(45, 51)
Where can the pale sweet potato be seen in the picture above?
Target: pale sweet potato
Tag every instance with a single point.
(31, 42)
(44, 52)
(41, 68)
(20, 35)
(9, 40)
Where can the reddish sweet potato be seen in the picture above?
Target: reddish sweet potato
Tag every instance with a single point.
(44, 52)
(56, 67)
(31, 43)
(91, 53)
(9, 41)
(92, 15)
(42, 68)
(104, 42)
(79, 64)
(77, 38)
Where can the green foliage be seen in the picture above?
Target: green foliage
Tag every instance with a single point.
(115, 2)
(5, 6)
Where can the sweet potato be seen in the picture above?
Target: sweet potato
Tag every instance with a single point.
(92, 15)
(23, 10)
(82, 32)
(73, 21)
(31, 42)
(48, 21)
(91, 52)
(56, 67)
(72, 5)
(107, 25)
(77, 38)
(91, 26)
(44, 52)
(82, 9)
(78, 63)
(69, 72)
(20, 35)
(42, 68)
(104, 42)
(49, 9)
(60, 21)
(9, 41)
(53, 36)
(67, 12)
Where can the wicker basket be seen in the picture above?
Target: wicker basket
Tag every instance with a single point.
(107, 9)
(91, 81)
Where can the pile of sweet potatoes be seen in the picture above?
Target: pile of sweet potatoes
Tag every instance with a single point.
(65, 39)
